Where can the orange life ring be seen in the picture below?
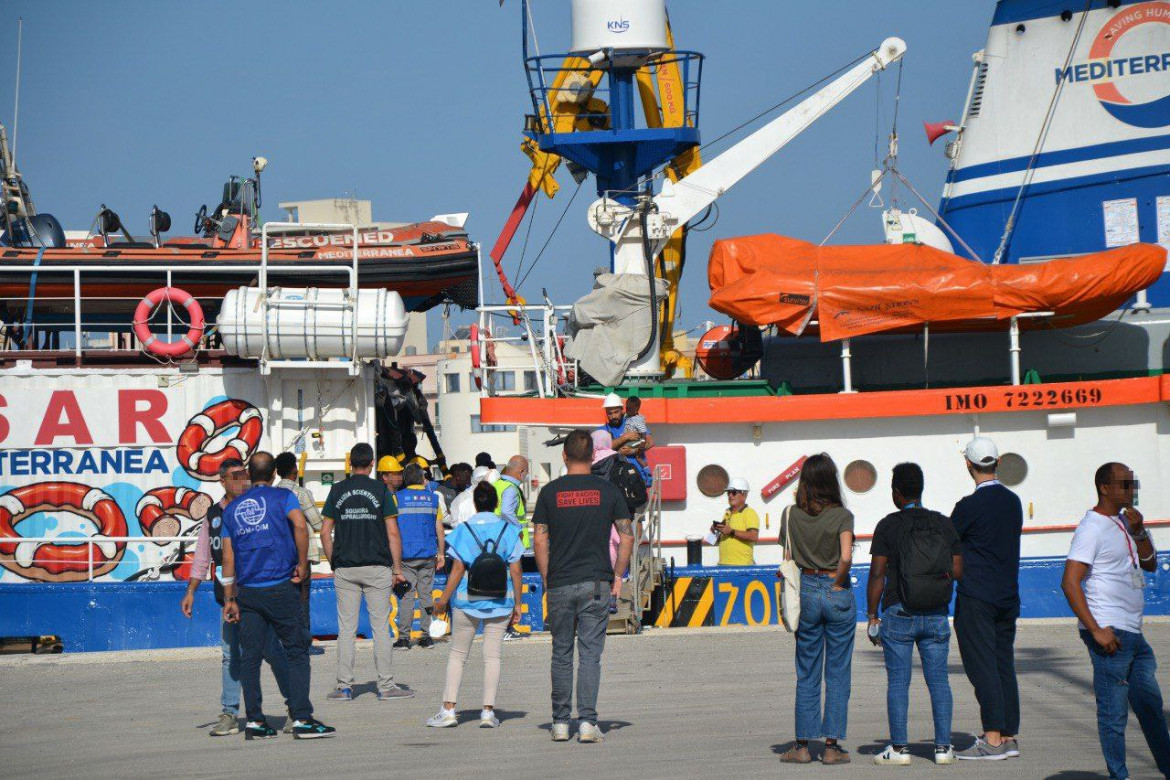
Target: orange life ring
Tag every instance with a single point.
(212, 422)
(159, 510)
(150, 342)
(52, 562)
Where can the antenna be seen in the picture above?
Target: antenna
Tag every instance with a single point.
(16, 109)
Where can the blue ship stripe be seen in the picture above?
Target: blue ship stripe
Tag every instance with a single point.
(1044, 188)
(1062, 157)
(1012, 11)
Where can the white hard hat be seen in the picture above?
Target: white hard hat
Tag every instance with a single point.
(613, 400)
(981, 451)
(739, 483)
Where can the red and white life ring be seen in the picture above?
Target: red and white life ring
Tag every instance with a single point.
(151, 342)
(213, 421)
(52, 562)
(159, 510)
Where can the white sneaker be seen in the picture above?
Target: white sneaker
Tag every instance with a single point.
(560, 732)
(443, 719)
(944, 755)
(893, 756)
(589, 733)
(488, 719)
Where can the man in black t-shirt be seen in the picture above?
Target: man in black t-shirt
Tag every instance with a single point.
(360, 537)
(572, 522)
(233, 474)
(902, 628)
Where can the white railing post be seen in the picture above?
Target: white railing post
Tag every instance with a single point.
(847, 365)
(1014, 348)
(168, 307)
(89, 559)
(77, 314)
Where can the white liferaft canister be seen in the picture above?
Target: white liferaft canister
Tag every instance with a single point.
(315, 323)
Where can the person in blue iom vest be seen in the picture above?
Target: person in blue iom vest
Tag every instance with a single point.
(420, 521)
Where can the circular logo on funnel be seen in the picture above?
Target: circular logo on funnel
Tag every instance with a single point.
(1133, 110)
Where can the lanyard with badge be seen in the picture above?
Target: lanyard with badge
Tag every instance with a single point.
(1135, 574)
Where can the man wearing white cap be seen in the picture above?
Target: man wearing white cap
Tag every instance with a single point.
(631, 437)
(989, 523)
(739, 530)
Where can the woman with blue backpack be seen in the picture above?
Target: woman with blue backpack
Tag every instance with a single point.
(487, 550)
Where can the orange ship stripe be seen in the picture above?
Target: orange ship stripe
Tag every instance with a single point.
(1061, 396)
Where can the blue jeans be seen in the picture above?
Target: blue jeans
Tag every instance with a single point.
(824, 650)
(577, 613)
(1120, 681)
(263, 611)
(230, 645)
(932, 634)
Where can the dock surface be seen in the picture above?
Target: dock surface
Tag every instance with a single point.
(674, 703)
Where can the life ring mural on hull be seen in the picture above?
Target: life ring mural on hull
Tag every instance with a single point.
(98, 483)
(51, 561)
(213, 422)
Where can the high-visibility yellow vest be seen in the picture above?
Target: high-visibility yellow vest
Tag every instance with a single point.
(501, 485)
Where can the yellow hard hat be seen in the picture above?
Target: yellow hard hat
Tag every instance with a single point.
(387, 463)
(421, 461)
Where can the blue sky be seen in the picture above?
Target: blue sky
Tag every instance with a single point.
(418, 107)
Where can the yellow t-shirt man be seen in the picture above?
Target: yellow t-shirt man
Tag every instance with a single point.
(732, 551)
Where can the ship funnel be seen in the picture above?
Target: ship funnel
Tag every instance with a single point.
(936, 130)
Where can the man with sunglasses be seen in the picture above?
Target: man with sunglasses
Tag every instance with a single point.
(739, 530)
(208, 560)
(1103, 583)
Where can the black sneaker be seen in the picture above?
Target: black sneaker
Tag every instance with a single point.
(426, 642)
(259, 730)
(403, 643)
(312, 729)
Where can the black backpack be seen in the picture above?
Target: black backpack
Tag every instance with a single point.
(925, 575)
(626, 478)
(487, 578)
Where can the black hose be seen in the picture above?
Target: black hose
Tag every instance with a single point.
(648, 256)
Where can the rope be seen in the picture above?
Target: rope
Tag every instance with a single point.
(550, 237)
(523, 249)
(1030, 171)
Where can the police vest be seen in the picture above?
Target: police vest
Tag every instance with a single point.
(418, 509)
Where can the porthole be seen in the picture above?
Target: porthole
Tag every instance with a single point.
(712, 480)
(1013, 469)
(860, 476)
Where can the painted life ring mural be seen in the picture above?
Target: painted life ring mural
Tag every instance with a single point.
(50, 561)
(193, 450)
(65, 513)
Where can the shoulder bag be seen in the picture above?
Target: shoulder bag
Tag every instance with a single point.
(790, 589)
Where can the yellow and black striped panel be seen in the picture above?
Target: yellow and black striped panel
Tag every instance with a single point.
(688, 604)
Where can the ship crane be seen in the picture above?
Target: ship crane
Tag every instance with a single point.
(625, 41)
(679, 202)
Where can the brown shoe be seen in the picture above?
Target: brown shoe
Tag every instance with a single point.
(797, 754)
(835, 754)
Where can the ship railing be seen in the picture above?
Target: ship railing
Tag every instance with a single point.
(545, 347)
(84, 321)
(564, 94)
(647, 552)
(1014, 349)
(156, 555)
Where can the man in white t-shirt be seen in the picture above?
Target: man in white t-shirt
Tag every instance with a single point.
(1103, 583)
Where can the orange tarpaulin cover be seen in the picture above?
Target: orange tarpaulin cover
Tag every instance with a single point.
(854, 290)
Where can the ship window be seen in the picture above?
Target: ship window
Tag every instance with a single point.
(452, 383)
(478, 427)
(860, 476)
(1013, 469)
(712, 480)
(411, 351)
(977, 93)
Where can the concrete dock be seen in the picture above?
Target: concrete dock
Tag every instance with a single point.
(674, 703)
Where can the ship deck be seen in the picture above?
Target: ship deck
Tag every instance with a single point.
(675, 703)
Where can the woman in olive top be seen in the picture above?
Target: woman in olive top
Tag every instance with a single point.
(822, 546)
